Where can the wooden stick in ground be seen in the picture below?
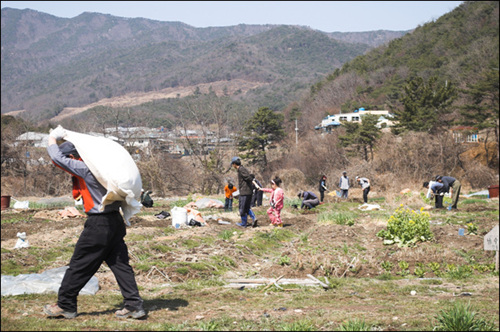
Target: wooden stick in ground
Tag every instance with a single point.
(318, 281)
(348, 267)
(271, 283)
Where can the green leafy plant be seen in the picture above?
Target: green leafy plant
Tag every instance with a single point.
(420, 271)
(386, 265)
(462, 317)
(435, 267)
(284, 260)
(406, 227)
(471, 229)
(460, 272)
(403, 265)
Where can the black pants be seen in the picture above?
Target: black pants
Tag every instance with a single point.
(257, 198)
(365, 194)
(321, 195)
(439, 201)
(244, 202)
(100, 241)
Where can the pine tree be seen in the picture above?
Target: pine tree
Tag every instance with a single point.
(261, 132)
(483, 112)
(362, 136)
(424, 105)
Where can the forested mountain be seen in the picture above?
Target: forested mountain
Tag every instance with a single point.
(49, 63)
(459, 49)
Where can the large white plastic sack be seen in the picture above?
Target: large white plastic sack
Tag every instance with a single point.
(113, 167)
(45, 282)
(22, 241)
(21, 205)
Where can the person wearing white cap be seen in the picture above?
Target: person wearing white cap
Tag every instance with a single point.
(365, 185)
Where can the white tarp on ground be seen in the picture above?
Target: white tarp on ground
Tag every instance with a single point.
(45, 282)
(482, 192)
(369, 207)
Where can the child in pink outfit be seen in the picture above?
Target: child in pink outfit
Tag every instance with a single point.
(276, 202)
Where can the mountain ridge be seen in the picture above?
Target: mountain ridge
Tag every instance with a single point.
(51, 63)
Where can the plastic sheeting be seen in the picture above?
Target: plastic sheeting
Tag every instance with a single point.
(45, 282)
(206, 203)
(479, 193)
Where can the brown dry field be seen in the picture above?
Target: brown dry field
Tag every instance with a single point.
(45, 228)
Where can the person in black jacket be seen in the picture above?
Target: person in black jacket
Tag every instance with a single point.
(309, 199)
(257, 194)
(245, 187)
(322, 188)
(454, 184)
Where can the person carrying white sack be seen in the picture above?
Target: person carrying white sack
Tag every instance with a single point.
(102, 239)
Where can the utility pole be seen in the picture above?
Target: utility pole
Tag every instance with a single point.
(296, 133)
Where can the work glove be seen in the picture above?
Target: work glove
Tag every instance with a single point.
(255, 184)
(58, 133)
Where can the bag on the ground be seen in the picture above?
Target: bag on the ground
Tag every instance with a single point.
(179, 216)
(162, 215)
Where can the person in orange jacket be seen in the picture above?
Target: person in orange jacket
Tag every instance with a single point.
(229, 189)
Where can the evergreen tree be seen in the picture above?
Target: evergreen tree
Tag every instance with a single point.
(483, 112)
(362, 136)
(424, 105)
(261, 131)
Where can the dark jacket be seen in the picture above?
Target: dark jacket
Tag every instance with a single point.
(448, 181)
(244, 181)
(309, 195)
(322, 185)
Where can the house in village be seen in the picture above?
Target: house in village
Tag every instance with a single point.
(466, 134)
(332, 121)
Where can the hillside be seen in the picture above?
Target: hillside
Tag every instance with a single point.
(49, 63)
(458, 48)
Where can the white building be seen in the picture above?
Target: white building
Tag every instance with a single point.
(31, 138)
(332, 121)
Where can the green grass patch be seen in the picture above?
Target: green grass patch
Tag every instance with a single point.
(334, 217)
(226, 234)
(355, 325)
(161, 248)
(191, 243)
(462, 317)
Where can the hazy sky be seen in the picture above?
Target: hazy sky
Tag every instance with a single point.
(327, 16)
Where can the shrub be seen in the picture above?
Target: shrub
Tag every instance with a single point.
(406, 227)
